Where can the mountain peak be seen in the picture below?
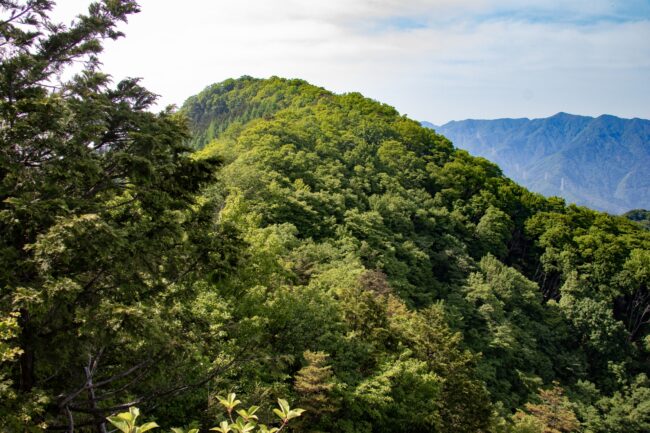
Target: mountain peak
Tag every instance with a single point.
(243, 99)
(598, 162)
(562, 114)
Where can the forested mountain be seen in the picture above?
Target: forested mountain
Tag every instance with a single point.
(320, 248)
(403, 256)
(641, 216)
(597, 162)
(239, 101)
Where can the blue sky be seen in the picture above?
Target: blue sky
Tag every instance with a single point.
(435, 60)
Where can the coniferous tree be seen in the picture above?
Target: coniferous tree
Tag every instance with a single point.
(553, 414)
(315, 384)
(99, 228)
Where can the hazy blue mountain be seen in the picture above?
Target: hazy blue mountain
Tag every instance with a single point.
(602, 162)
(428, 125)
(640, 216)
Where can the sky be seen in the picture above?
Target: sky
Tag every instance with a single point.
(434, 60)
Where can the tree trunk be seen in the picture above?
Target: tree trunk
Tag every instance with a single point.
(99, 419)
(27, 379)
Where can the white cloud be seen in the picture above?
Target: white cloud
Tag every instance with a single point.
(461, 58)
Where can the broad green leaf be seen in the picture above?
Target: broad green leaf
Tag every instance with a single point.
(224, 427)
(280, 414)
(284, 405)
(146, 427)
(294, 413)
(229, 402)
(126, 416)
(243, 427)
(121, 424)
(135, 412)
(246, 415)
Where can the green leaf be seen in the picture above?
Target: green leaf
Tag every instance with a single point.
(249, 414)
(243, 427)
(121, 424)
(224, 427)
(280, 414)
(229, 402)
(146, 427)
(134, 412)
(126, 416)
(294, 413)
(284, 405)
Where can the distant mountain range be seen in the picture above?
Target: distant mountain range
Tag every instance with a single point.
(640, 216)
(602, 162)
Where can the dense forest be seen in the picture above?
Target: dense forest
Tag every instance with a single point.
(273, 240)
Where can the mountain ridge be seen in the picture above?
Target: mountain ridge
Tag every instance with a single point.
(593, 161)
(357, 222)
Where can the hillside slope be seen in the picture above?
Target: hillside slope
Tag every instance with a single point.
(239, 101)
(597, 162)
(438, 294)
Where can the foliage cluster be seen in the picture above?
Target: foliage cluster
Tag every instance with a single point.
(374, 217)
(322, 249)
